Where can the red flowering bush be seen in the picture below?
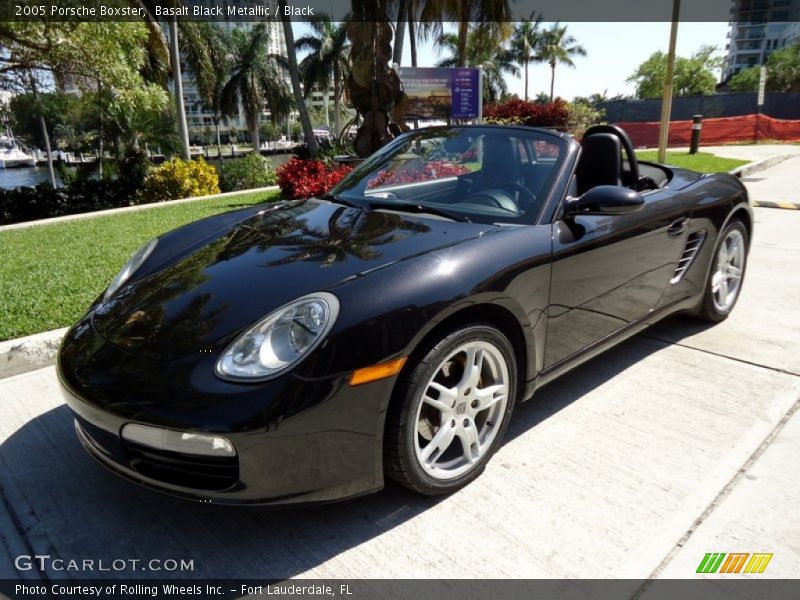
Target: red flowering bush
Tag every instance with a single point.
(435, 169)
(300, 178)
(470, 155)
(521, 112)
(545, 149)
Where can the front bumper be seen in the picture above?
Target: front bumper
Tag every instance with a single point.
(297, 441)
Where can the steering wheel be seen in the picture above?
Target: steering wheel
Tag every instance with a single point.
(501, 198)
(525, 198)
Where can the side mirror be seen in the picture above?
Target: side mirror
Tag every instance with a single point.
(605, 200)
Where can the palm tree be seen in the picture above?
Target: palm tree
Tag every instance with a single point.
(328, 58)
(483, 50)
(294, 75)
(211, 84)
(400, 30)
(415, 29)
(177, 79)
(255, 77)
(525, 44)
(465, 13)
(558, 47)
(187, 38)
(373, 86)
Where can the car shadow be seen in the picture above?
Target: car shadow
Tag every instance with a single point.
(562, 392)
(68, 506)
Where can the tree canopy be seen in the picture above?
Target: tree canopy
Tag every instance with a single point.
(693, 76)
(486, 47)
(783, 73)
(107, 53)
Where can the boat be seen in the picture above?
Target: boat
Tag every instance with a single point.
(11, 155)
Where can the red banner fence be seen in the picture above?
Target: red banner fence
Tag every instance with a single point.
(723, 130)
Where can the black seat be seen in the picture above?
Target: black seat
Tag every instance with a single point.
(600, 162)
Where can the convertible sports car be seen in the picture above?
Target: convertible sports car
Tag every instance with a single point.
(302, 351)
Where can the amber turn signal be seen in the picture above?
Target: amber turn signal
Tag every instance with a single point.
(376, 372)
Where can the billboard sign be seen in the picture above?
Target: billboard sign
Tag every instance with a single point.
(442, 93)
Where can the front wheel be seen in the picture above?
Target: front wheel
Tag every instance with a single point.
(451, 410)
(727, 273)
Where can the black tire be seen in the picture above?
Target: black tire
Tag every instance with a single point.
(400, 459)
(709, 310)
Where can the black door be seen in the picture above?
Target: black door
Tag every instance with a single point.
(609, 271)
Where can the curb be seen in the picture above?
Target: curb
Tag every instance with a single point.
(135, 208)
(29, 353)
(776, 204)
(759, 165)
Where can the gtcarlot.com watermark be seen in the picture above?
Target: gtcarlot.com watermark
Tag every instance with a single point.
(46, 562)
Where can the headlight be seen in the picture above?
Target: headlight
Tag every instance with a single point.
(129, 268)
(281, 340)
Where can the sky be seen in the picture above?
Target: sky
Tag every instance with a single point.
(614, 50)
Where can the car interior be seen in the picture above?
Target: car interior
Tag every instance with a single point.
(513, 174)
(510, 180)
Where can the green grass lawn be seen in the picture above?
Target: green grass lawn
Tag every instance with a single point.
(702, 162)
(49, 274)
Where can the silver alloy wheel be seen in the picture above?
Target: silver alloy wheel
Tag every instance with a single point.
(461, 410)
(727, 278)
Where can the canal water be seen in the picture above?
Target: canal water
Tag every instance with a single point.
(24, 176)
(31, 176)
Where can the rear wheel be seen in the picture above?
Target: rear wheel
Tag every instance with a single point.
(727, 273)
(451, 410)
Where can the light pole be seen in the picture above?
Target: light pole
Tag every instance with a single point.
(666, 101)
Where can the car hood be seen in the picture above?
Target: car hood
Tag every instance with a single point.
(235, 276)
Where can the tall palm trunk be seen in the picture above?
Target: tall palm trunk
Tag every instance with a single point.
(294, 74)
(255, 134)
(183, 130)
(326, 107)
(400, 32)
(412, 41)
(337, 100)
(526, 79)
(552, 78)
(45, 134)
(463, 31)
(100, 147)
(219, 145)
(50, 171)
(100, 151)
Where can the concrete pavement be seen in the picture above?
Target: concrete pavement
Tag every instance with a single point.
(679, 442)
(751, 151)
(779, 183)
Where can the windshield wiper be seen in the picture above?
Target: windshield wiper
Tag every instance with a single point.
(417, 208)
(342, 200)
(374, 202)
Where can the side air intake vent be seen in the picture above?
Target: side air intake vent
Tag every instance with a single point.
(693, 244)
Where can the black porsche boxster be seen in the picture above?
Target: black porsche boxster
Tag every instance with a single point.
(302, 351)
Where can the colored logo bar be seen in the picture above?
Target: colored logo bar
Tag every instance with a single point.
(734, 562)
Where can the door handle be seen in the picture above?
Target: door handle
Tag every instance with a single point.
(678, 227)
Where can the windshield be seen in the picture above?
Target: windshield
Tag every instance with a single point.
(484, 174)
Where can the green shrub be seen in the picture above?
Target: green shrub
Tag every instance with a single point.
(179, 179)
(251, 171)
(582, 115)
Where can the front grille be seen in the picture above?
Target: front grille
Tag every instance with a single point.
(693, 244)
(186, 470)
